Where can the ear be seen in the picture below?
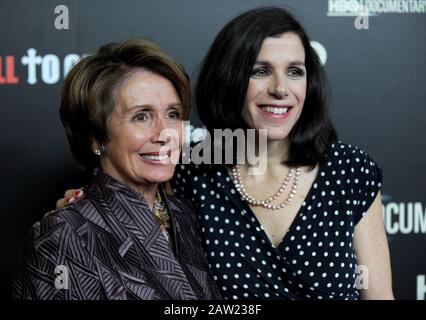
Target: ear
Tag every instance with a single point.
(94, 144)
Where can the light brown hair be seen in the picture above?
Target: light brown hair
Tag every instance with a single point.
(90, 91)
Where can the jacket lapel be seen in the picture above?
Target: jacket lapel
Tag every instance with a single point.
(142, 243)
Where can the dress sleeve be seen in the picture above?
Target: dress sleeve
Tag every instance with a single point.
(365, 182)
(46, 265)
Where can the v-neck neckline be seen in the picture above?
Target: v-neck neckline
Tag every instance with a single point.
(138, 213)
(145, 215)
(244, 205)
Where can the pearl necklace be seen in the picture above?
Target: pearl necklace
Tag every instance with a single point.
(268, 202)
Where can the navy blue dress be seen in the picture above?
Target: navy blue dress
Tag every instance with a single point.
(315, 260)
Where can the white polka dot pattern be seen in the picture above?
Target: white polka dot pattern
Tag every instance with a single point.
(315, 260)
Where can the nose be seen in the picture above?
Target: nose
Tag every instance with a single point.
(158, 130)
(278, 87)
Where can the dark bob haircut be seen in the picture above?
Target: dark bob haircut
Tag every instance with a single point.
(225, 72)
(90, 91)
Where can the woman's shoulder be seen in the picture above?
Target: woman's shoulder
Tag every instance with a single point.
(59, 220)
(353, 166)
(342, 148)
(53, 241)
(344, 154)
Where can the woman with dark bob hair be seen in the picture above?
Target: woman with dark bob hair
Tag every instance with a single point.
(125, 239)
(309, 226)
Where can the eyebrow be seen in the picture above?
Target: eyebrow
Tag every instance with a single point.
(150, 106)
(291, 64)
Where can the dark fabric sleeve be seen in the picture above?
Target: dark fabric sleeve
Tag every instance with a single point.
(35, 276)
(50, 259)
(366, 182)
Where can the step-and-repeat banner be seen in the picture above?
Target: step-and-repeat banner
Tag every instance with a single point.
(374, 52)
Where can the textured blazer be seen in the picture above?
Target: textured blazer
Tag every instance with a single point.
(108, 245)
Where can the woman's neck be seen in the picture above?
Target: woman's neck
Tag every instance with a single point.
(274, 154)
(148, 190)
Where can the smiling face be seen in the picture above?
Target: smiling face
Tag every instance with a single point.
(138, 152)
(277, 86)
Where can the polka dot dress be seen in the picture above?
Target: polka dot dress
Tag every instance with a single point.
(315, 260)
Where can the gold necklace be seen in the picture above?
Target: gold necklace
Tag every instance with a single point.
(160, 212)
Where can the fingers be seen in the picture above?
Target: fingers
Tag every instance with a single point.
(70, 193)
(61, 203)
(69, 196)
(78, 193)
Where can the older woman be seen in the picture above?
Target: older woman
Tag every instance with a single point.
(125, 239)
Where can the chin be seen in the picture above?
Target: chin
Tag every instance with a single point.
(158, 177)
(275, 134)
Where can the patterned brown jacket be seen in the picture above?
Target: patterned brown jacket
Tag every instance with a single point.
(108, 245)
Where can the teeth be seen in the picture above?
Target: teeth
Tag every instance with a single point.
(275, 110)
(152, 157)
